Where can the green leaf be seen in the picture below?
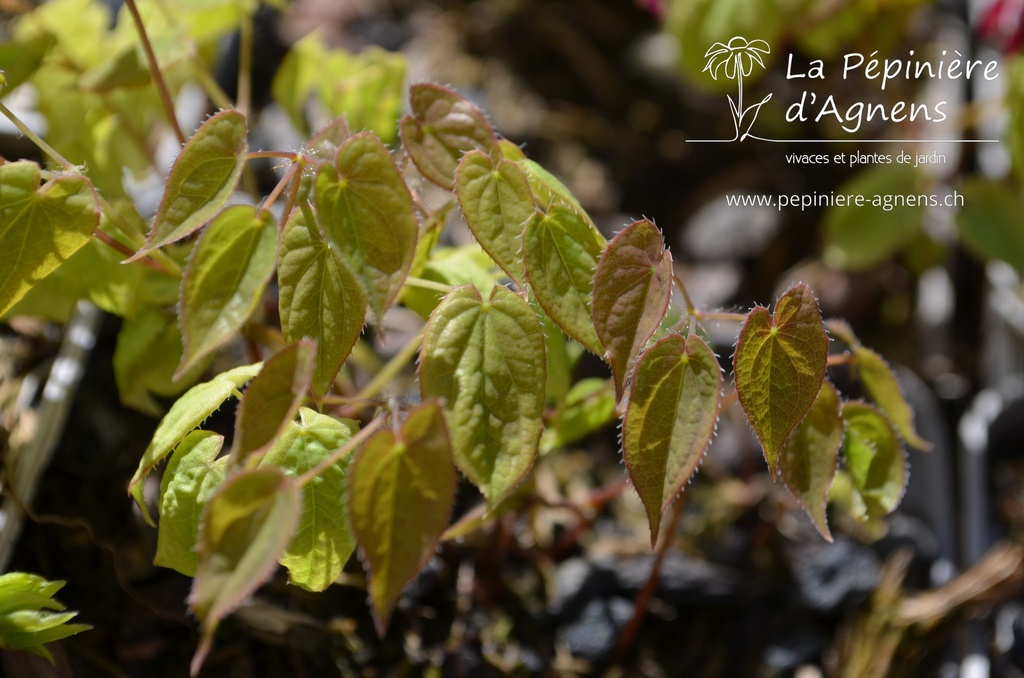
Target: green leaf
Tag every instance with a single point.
(418, 299)
(202, 179)
(560, 253)
(319, 297)
(20, 59)
(453, 266)
(367, 215)
(442, 127)
(187, 413)
(857, 237)
(148, 352)
(366, 87)
(40, 227)
(324, 144)
(548, 191)
(226, 275)
(272, 399)
(989, 222)
(670, 420)
(808, 459)
(883, 387)
(401, 489)
(486, 360)
(589, 406)
(124, 69)
(632, 289)
(496, 201)
(779, 366)
(324, 540)
(29, 615)
(247, 526)
(875, 459)
(192, 475)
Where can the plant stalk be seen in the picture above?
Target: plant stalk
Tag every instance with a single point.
(154, 69)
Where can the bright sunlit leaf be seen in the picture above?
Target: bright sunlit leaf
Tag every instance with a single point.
(779, 365)
(485, 359)
(670, 420)
(401, 489)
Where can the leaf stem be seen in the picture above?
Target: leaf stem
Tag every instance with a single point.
(167, 265)
(841, 359)
(722, 315)
(119, 246)
(37, 140)
(285, 180)
(213, 90)
(286, 155)
(244, 98)
(391, 370)
(429, 284)
(154, 69)
(690, 308)
(640, 605)
(340, 453)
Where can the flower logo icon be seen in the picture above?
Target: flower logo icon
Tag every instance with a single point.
(736, 60)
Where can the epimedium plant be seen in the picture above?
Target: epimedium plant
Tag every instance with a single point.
(313, 471)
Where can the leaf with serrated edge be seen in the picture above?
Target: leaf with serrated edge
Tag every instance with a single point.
(808, 459)
(202, 179)
(401, 489)
(670, 420)
(324, 540)
(40, 227)
(560, 253)
(192, 475)
(486, 360)
(779, 365)
(496, 201)
(632, 289)
(319, 297)
(367, 215)
(272, 400)
(190, 410)
(885, 390)
(442, 127)
(247, 525)
(226, 275)
(875, 460)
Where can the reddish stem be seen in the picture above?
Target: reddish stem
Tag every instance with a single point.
(642, 598)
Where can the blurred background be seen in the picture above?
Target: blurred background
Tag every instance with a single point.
(609, 96)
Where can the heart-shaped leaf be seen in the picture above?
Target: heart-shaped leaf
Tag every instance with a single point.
(632, 289)
(188, 412)
(226, 275)
(367, 215)
(496, 200)
(560, 251)
(875, 459)
(808, 460)
(442, 127)
(401, 489)
(779, 365)
(883, 387)
(202, 179)
(192, 475)
(485, 359)
(40, 227)
(324, 540)
(272, 400)
(670, 420)
(319, 297)
(247, 525)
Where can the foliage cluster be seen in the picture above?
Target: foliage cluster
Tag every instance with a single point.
(307, 273)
